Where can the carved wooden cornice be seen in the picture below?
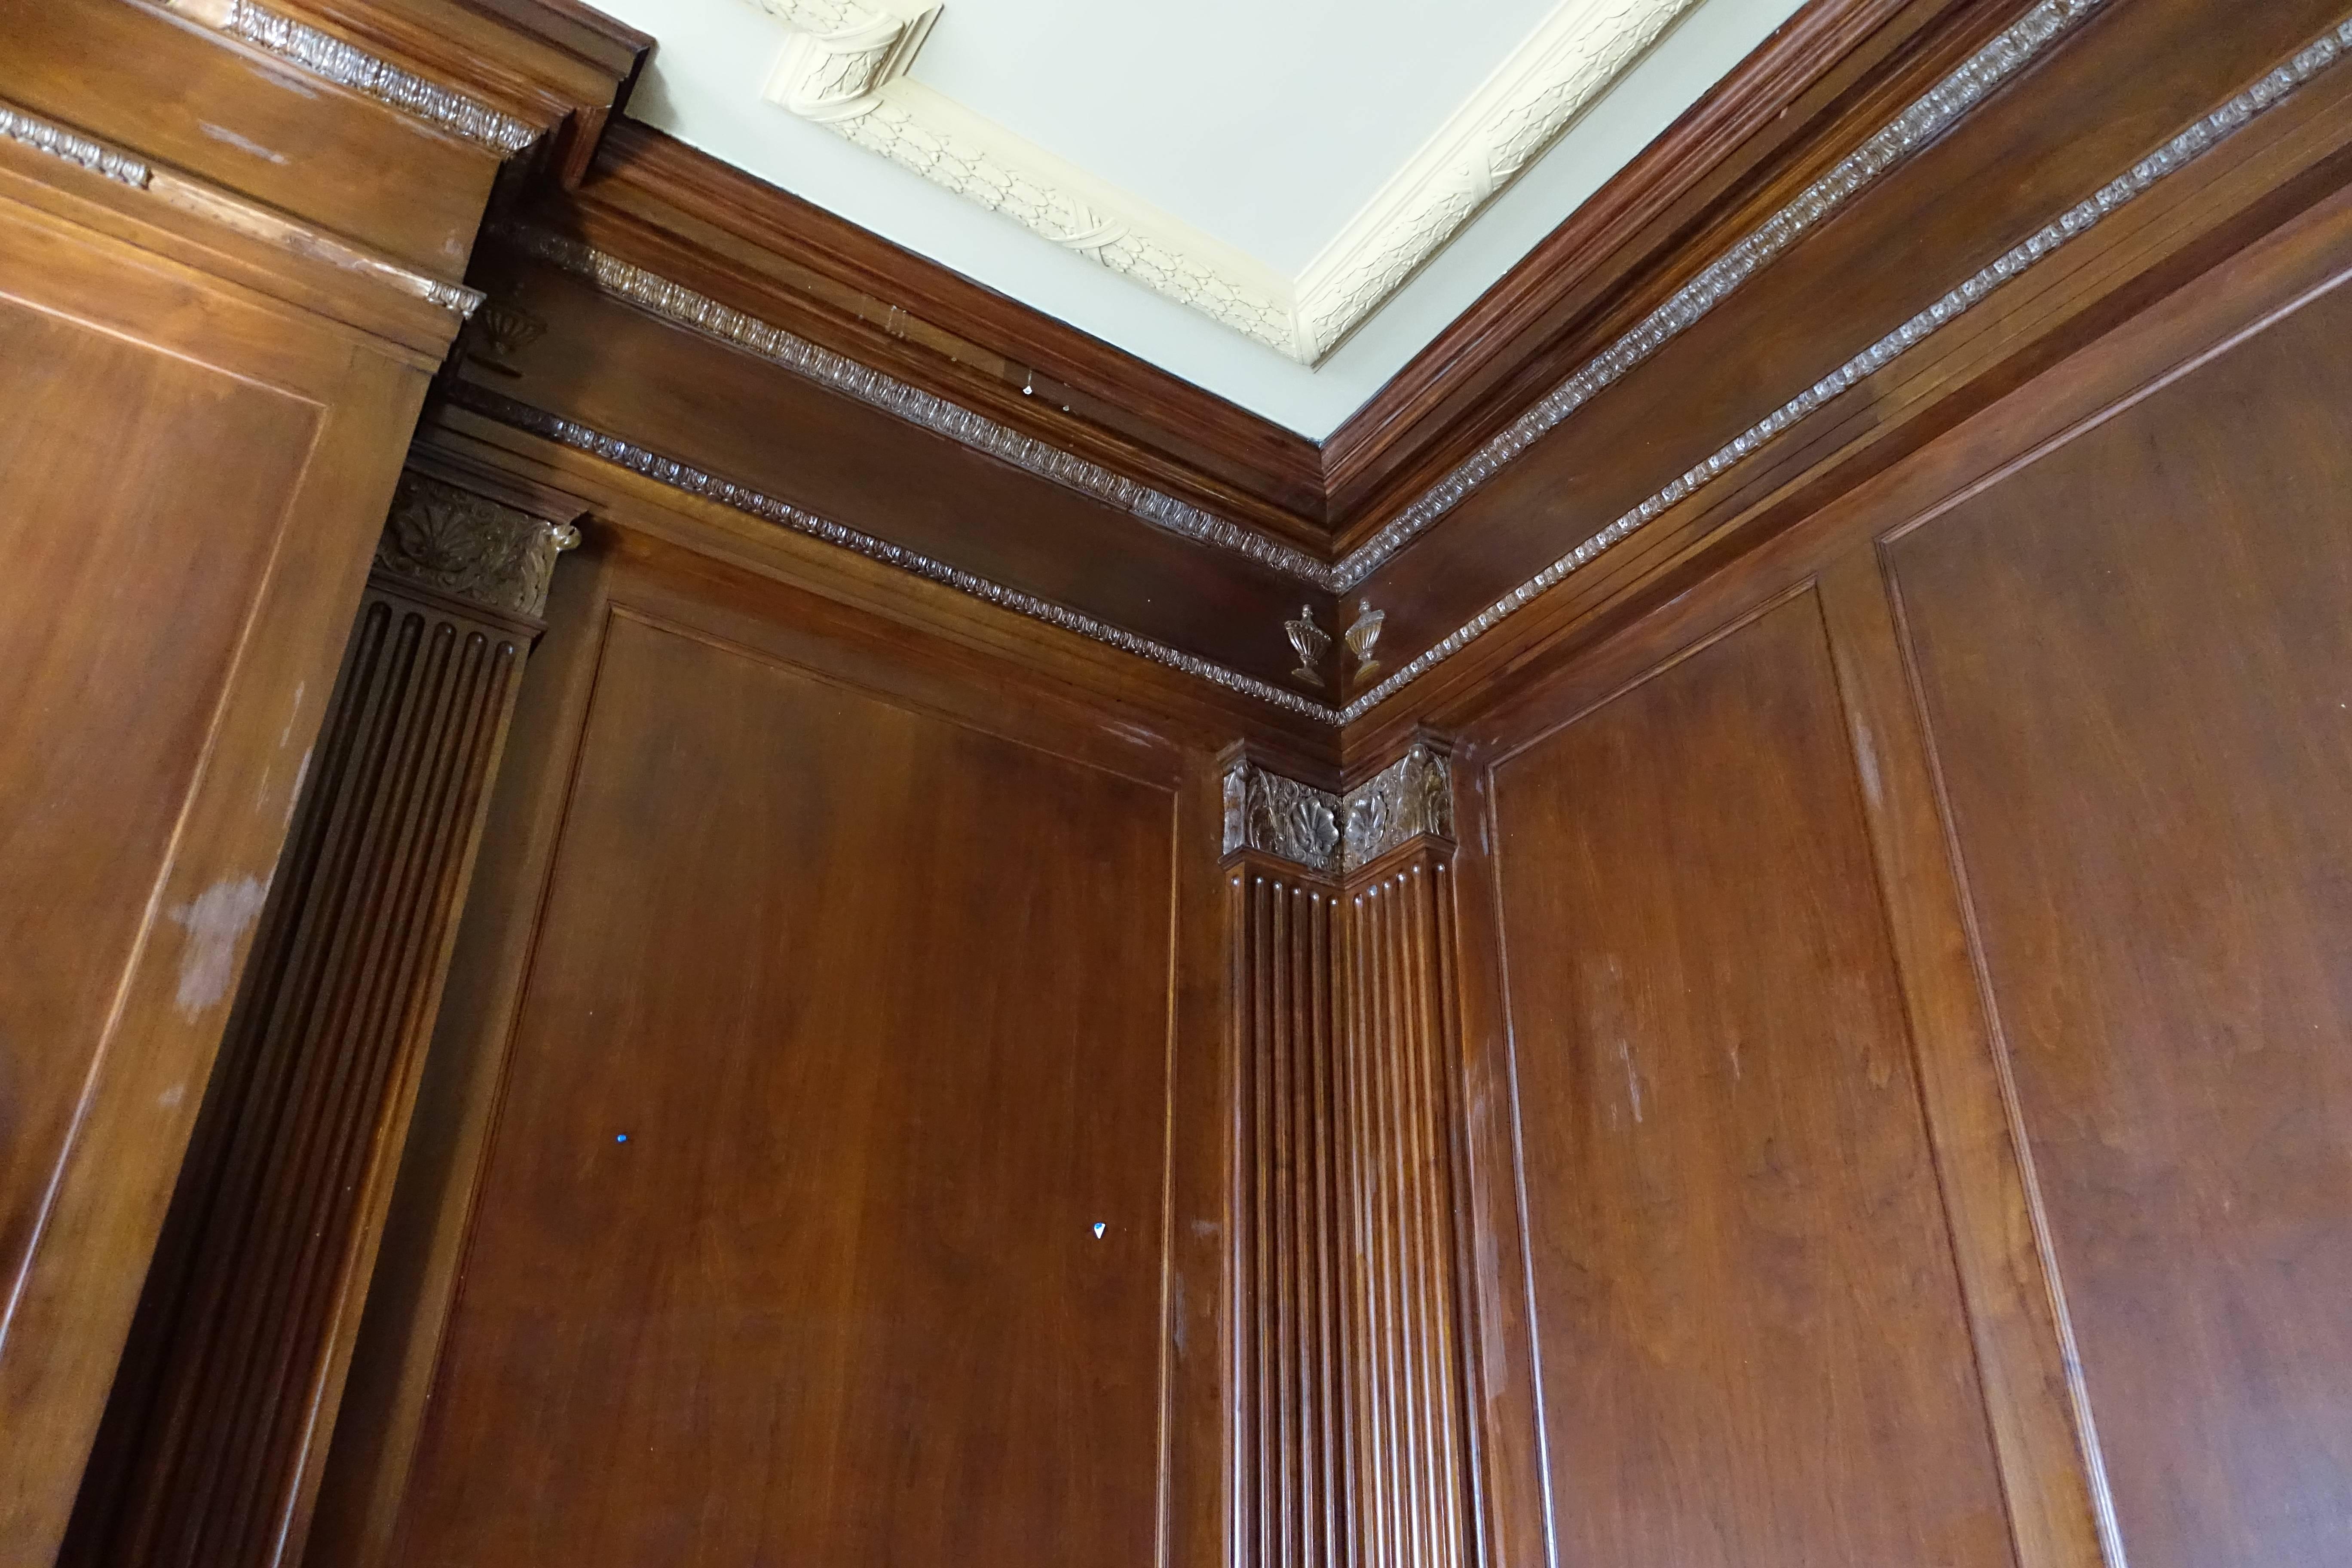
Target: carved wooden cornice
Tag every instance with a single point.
(2031, 39)
(323, 55)
(469, 547)
(231, 211)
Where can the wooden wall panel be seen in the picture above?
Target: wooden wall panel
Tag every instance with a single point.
(881, 1006)
(1753, 1347)
(217, 1431)
(2132, 655)
(190, 479)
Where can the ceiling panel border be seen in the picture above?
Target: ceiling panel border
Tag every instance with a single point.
(846, 68)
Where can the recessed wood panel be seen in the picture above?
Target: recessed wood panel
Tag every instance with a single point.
(132, 557)
(1752, 1343)
(2137, 656)
(845, 1027)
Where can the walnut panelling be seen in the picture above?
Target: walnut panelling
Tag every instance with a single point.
(194, 471)
(2130, 652)
(214, 1437)
(913, 1226)
(1750, 1343)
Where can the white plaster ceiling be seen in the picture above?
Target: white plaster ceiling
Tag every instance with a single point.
(1255, 132)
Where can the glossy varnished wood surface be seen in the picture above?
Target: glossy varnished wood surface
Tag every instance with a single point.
(886, 1032)
(2131, 654)
(191, 486)
(183, 95)
(216, 1436)
(1753, 1348)
(2131, 79)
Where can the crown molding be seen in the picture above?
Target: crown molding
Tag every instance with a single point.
(683, 213)
(2272, 88)
(1828, 78)
(1927, 118)
(844, 68)
(697, 312)
(688, 479)
(233, 212)
(1922, 121)
(335, 59)
(531, 79)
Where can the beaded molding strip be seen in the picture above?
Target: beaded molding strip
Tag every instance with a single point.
(1943, 107)
(59, 143)
(347, 65)
(676, 304)
(695, 482)
(2028, 38)
(2169, 159)
(231, 211)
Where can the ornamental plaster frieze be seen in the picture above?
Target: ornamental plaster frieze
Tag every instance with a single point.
(845, 66)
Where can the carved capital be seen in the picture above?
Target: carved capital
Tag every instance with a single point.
(470, 547)
(1410, 798)
(1280, 816)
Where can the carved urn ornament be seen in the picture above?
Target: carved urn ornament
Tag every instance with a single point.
(1310, 642)
(1363, 635)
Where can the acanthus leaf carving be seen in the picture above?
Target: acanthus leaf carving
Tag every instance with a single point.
(1410, 798)
(470, 547)
(1281, 817)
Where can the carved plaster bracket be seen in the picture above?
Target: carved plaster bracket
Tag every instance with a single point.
(1410, 798)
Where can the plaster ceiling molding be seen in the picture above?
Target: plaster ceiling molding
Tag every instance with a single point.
(844, 68)
(1522, 108)
(845, 64)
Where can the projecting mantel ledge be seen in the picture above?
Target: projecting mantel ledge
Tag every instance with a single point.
(846, 64)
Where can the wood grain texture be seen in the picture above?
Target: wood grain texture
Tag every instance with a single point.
(216, 1436)
(843, 1263)
(1823, 82)
(193, 480)
(183, 95)
(1417, 1496)
(2130, 652)
(2130, 80)
(1753, 1348)
(1294, 1500)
